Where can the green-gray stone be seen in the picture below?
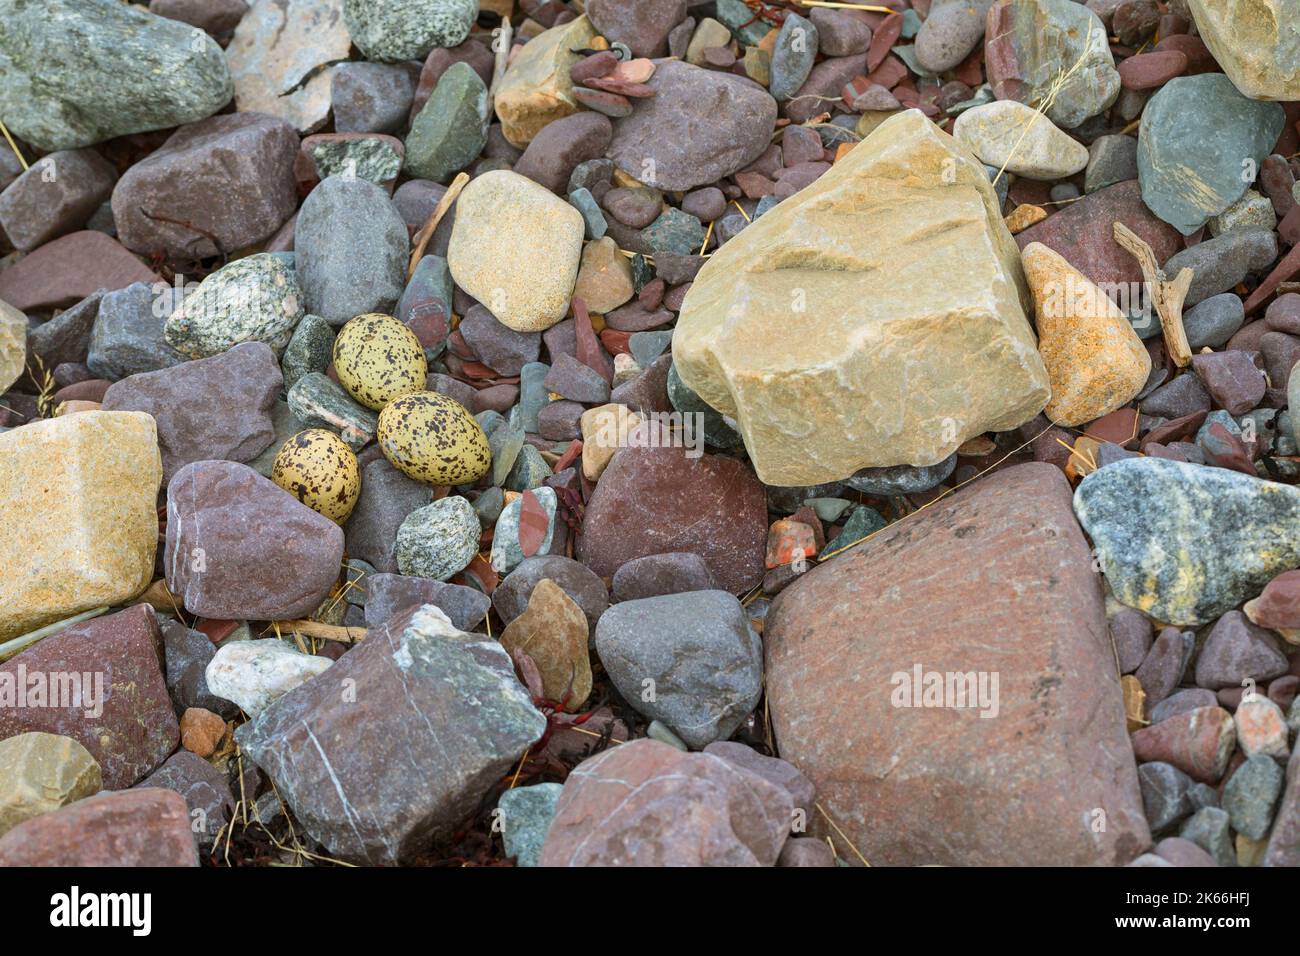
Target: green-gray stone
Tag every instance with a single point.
(374, 160)
(529, 471)
(320, 402)
(506, 552)
(310, 349)
(716, 431)
(674, 231)
(1199, 146)
(648, 346)
(525, 816)
(391, 31)
(862, 522)
(451, 129)
(1186, 543)
(488, 506)
(740, 20)
(532, 394)
(254, 299)
(593, 217)
(829, 509)
(505, 444)
(793, 56)
(1251, 794)
(78, 72)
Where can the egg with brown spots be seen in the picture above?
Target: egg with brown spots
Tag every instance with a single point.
(433, 438)
(378, 359)
(317, 468)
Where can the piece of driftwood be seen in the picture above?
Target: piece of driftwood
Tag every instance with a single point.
(325, 632)
(1167, 296)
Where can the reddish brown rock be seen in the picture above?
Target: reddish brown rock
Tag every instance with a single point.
(1146, 71)
(230, 177)
(1083, 233)
(1284, 841)
(67, 270)
(656, 500)
(1198, 742)
(122, 714)
(56, 195)
(146, 827)
(1278, 606)
(213, 408)
(201, 731)
(947, 591)
(648, 804)
(219, 565)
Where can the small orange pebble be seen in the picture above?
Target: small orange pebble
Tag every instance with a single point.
(787, 540)
(599, 43)
(1024, 216)
(201, 731)
(843, 150)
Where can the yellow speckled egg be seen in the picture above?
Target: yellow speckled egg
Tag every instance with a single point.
(433, 438)
(318, 469)
(378, 359)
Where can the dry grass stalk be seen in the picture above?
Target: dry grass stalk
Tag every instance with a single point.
(426, 231)
(1167, 296)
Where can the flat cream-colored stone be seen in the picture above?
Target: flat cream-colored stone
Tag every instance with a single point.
(710, 33)
(604, 277)
(39, 773)
(537, 89)
(515, 248)
(1095, 361)
(875, 318)
(604, 431)
(13, 345)
(78, 519)
(553, 632)
(1257, 42)
(277, 45)
(1008, 133)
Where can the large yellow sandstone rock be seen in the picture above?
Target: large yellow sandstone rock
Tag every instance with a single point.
(1095, 361)
(536, 89)
(875, 318)
(78, 518)
(13, 345)
(1257, 42)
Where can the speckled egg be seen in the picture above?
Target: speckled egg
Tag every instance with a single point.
(433, 438)
(318, 469)
(378, 359)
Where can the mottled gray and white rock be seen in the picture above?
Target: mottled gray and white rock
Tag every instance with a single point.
(78, 72)
(252, 299)
(396, 30)
(255, 674)
(699, 126)
(310, 349)
(438, 540)
(351, 250)
(1251, 795)
(703, 661)
(1185, 543)
(435, 718)
(320, 402)
(127, 337)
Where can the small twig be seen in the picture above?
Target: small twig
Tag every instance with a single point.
(426, 231)
(1167, 296)
(184, 224)
(326, 632)
(14, 146)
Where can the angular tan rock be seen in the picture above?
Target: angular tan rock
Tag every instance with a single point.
(874, 318)
(1257, 42)
(515, 248)
(13, 345)
(994, 582)
(1095, 361)
(281, 59)
(537, 89)
(604, 431)
(40, 773)
(604, 277)
(78, 525)
(553, 632)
